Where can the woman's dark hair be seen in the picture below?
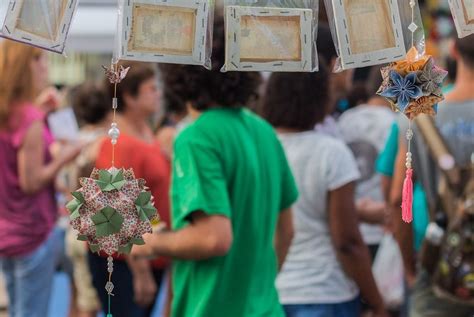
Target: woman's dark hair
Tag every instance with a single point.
(357, 95)
(90, 103)
(209, 88)
(325, 43)
(139, 72)
(297, 100)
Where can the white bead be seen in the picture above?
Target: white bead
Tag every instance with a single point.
(114, 133)
(110, 270)
(113, 141)
(113, 125)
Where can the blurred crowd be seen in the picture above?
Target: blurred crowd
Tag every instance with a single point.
(277, 192)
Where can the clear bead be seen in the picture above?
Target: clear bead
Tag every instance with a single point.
(109, 287)
(114, 103)
(413, 27)
(114, 133)
(409, 134)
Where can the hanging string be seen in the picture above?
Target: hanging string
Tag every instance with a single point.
(115, 75)
(407, 193)
(109, 287)
(412, 26)
(114, 132)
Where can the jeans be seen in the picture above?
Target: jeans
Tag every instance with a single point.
(424, 302)
(29, 279)
(346, 309)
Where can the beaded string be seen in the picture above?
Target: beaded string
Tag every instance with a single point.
(115, 74)
(114, 132)
(407, 194)
(109, 287)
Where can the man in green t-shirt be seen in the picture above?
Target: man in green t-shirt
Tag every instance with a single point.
(231, 194)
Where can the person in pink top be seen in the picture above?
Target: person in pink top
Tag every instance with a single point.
(27, 172)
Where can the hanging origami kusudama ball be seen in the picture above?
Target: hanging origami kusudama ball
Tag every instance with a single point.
(112, 211)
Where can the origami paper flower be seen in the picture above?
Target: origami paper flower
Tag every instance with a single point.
(109, 181)
(114, 74)
(413, 62)
(404, 89)
(144, 206)
(112, 211)
(385, 72)
(427, 105)
(107, 221)
(74, 205)
(431, 79)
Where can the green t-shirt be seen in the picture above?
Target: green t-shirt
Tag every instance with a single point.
(229, 162)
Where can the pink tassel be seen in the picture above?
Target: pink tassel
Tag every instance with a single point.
(407, 197)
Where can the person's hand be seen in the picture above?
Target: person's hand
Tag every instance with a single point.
(371, 211)
(145, 250)
(144, 288)
(70, 151)
(48, 100)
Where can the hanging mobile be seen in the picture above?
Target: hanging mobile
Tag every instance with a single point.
(112, 210)
(413, 87)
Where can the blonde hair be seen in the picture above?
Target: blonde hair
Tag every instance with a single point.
(16, 78)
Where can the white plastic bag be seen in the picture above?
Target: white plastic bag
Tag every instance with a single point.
(388, 271)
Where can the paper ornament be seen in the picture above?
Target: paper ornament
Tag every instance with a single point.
(413, 87)
(112, 211)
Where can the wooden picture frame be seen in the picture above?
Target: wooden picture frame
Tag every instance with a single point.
(463, 14)
(42, 23)
(369, 32)
(268, 39)
(165, 31)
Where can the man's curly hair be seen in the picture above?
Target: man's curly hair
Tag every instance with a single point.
(204, 88)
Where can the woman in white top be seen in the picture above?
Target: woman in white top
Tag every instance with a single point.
(328, 263)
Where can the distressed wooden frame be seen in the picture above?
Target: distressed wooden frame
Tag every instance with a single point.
(303, 18)
(464, 23)
(352, 57)
(195, 54)
(13, 29)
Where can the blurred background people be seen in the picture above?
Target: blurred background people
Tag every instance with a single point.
(231, 195)
(28, 244)
(365, 129)
(328, 262)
